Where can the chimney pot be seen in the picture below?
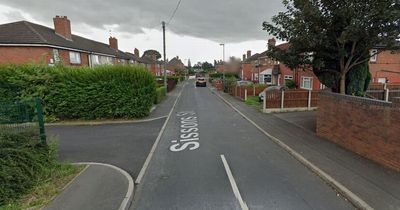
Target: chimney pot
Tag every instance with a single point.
(248, 53)
(62, 26)
(244, 57)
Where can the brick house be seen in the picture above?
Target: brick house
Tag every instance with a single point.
(24, 42)
(384, 65)
(175, 65)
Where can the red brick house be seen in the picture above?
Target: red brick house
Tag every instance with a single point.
(175, 65)
(384, 65)
(24, 42)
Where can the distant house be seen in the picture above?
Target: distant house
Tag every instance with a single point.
(175, 65)
(384, 65)
(23, 42)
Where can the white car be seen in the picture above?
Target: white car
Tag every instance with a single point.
(271, 88)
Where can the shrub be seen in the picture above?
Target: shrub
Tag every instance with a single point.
(291, 84)
(23, 162)
(110, 91)
(160, 94)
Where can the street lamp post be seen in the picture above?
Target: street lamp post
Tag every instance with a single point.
(223, 60)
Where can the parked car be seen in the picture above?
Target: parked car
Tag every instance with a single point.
(261, 95)
(243, 82)
(201, 82)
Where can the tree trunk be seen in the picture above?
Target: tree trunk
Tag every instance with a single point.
(343, 84)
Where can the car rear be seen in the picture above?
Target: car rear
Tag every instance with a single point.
(201, 82)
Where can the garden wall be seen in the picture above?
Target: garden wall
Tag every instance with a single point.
(370, 128)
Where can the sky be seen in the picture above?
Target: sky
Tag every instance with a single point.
(194, 32)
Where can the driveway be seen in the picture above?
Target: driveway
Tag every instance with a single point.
(306, 120)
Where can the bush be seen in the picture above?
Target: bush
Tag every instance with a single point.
(23, 162)
(291, 84)
(110, 91)
(160, 94)
(229, 83)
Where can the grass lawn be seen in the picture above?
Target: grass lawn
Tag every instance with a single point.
(49, 187)
(253, 101)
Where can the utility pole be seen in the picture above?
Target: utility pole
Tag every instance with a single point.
(223, 61)
(165, 58)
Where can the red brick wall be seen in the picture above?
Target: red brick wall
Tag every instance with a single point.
(367, 127)
(388, 61)
(246, 71)
(19, 55)
(25, 55)
(297, 77)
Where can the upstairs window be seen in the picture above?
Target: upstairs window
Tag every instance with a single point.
(74, 57)
(374, 55)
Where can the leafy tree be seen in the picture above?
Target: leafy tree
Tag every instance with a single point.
(333, 37)
(150, 53)
(206, 66)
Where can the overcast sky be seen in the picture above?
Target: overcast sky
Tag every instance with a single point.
(195, 31)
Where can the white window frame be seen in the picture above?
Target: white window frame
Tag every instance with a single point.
(74, 57)
(374, 55)
(56, 56)
(381, 80)
(288, 77)
(302, 84)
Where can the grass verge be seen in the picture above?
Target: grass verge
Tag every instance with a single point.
(43, 193)
(253, 101)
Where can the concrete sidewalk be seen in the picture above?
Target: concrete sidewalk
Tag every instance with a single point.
(376, 185)
(99, 187)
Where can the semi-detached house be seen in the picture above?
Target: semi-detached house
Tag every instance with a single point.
(25, 42)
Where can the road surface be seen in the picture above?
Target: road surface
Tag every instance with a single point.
(188, 170)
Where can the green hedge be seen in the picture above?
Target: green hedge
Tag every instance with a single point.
(160, 94)
(24, 161)
(110, 91)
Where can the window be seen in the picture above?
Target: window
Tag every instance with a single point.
(288, 77)
(382, 80)
(306, 83)
(56, 56)
(267, 78)
(75, 57)
(374, 55)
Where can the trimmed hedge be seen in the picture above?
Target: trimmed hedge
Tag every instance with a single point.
(110, 91)
(160, 94)
(24, 162)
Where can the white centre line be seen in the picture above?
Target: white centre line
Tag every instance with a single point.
(235, 189)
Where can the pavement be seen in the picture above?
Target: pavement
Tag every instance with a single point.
(373, 183)
(188, 170)
(98, 187)
(121, 145)
(303, 119)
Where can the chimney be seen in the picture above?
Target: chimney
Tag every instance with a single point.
(62, 27)
(113, 42)
(136, 52)
(248, 53)
(244, 57)
(271, 42)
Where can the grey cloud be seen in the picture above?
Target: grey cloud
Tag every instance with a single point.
(221, 21)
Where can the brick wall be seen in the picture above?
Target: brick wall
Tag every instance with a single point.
(20, 55)
(387, 66)
(370, 128)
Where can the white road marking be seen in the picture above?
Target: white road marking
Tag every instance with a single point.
(129, 193)
(352, 197)
(235, 189)
(153, 148)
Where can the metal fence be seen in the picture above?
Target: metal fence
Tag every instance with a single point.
(23, 116)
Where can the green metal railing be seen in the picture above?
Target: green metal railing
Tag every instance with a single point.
(23, 116)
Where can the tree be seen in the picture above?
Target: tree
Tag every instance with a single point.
(151, 53)
(206, 66)
(333, 37)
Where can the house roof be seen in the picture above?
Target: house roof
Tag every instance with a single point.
(175, 61)
(24, 32)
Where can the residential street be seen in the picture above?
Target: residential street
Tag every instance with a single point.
(187, 172)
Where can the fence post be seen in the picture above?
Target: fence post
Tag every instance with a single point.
(245, 94)
(282, 99)
(309, 100)
(265, 101)
(254, 90)
(40, 115)
(387, 95)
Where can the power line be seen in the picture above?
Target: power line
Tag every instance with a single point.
(173, 14)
